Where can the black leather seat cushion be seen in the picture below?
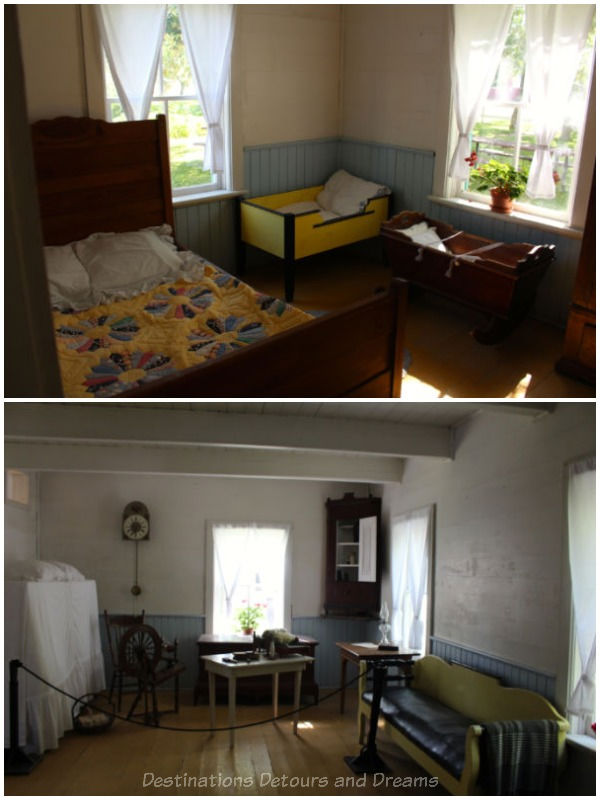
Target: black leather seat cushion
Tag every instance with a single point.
(438, 730)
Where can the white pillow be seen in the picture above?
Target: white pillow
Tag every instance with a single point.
(68, 571)
(34, 570)
(123, 264)
(68, 282)
(345, 194)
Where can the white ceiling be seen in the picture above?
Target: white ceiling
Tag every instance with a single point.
(342, 441)
(441, 413)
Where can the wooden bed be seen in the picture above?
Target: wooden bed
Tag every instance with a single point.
(95, 176)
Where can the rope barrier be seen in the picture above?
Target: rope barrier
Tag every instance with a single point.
(192, 730)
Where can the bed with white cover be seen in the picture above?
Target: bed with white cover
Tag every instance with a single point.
(51, 625)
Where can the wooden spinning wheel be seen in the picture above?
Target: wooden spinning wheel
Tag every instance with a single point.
(140, 653)
(140, 650)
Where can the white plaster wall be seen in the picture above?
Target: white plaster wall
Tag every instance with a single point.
(80, 522)
(52, 56)
(286, 72)
(396, 84)
(500, 531)
(20, 527)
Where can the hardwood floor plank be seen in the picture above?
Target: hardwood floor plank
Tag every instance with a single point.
(267, 759)
(445, 359)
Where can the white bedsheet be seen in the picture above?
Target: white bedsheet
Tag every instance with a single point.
(53, 628)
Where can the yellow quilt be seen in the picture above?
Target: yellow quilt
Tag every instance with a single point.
(108, 349)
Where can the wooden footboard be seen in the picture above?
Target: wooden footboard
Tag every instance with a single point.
(355, 352)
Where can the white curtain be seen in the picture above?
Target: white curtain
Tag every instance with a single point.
(208, 37)
(555, 36)
(582, 562)
(230, 546)
(132, 36)
(478, 36)
(411, 544)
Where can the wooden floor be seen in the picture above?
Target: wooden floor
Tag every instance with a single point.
(445, 359)
(267, 759)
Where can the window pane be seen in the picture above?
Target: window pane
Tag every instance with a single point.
(187, 139)
(177, 75)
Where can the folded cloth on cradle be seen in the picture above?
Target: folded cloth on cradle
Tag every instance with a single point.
(421, 233)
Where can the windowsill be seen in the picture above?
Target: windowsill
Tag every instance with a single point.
(205, 197)
(581, 741)
(516, 217)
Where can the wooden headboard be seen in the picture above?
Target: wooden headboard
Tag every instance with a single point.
(96, 176)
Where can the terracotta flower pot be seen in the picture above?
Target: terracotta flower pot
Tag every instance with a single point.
(501, 201)
(248, 631)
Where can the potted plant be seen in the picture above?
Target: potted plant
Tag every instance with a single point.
(504, 182)
(248, 616)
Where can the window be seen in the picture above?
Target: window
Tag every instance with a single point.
(505, 130)
(581, 505)
(175, 96)
(248, 568)
(412, 547)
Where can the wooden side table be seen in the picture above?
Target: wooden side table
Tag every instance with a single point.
(357, 653)
(264, 667)
(213, 644)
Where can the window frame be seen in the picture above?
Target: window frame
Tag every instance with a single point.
(96, 83)
(573, 219)
(209, 581)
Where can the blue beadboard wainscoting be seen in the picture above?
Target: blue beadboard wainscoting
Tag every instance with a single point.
(510, 674)
(329, 630)
(326, 630)
(209, 227)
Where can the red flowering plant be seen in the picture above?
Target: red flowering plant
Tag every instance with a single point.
(249, 616)
(472, 159)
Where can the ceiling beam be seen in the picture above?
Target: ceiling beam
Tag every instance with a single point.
(154, 459)
(188, 428)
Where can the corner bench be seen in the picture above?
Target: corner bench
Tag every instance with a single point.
(436, 720)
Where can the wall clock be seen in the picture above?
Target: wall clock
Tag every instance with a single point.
(136, 522)
(136, 528)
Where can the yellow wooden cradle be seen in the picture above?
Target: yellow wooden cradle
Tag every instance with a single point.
(295, 236)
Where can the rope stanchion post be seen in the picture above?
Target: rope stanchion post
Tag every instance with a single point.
(368, 760)
(16, 760)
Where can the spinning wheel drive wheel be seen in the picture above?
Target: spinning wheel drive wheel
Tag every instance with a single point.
(139, 650)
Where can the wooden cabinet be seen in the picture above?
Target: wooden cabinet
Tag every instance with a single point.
(259, 687)
(578, 358)
(353, 572)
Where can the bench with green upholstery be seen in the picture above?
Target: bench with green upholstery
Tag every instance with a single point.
(438, 720)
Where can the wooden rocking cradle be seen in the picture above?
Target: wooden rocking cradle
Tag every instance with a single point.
(496, 278)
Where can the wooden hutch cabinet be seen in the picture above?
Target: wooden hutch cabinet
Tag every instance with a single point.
(353, 572)
(578, 358)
